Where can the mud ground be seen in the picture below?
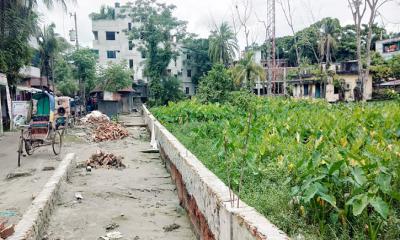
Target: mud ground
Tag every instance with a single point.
(139, 201)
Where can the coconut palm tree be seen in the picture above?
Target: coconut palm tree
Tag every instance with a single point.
(223, 44)
(247, 72)
(48, 48)
(329, 33)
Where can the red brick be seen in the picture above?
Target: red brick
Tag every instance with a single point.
(2, 223)
(8, 231)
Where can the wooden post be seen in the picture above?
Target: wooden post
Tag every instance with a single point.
(1, 117)
(9, 105)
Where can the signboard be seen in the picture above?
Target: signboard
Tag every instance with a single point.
(21, 109)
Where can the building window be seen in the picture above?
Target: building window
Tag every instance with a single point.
(130, 45)
(96, 35)
(306, 92)
(143, 54)
(189, 73)
(110, 36)
(169, 71)
(129, 26)
(336, 90)
(187, 90)
(112, 54)
(131, 63)
(188, 56)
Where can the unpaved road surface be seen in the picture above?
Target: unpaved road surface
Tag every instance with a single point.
(16, 194)
(139, 201)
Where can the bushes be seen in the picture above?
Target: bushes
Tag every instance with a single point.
(215, 86)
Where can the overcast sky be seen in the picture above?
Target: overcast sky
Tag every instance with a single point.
(202, 14)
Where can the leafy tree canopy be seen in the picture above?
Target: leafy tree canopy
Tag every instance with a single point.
(157, 36)
(114, 77)
(198, 59)
(215, 87)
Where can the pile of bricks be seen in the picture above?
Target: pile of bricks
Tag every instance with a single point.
(5, 231)
(109, 131)
(105, 160)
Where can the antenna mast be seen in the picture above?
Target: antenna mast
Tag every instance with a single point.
(271, 43)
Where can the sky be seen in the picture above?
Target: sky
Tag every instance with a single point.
(202, 15)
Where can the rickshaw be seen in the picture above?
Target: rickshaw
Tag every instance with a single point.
(63, 113)
(42, 129)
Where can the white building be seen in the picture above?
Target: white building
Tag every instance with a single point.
(112, 44)
(388, 48)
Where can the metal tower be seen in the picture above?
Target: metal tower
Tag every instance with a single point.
(271, 44)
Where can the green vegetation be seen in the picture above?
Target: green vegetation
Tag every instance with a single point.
(223, 44)
(323, 171)
(114, 77)
(155, 37)
(216, 86)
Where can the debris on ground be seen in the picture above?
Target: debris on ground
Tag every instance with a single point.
(45, 169)
(20, 174)
(105, 160)
(111, 236)
(109, 131)
(78, 196)
(95, 117)
(171, 227)
(5, 231)
(103, 128)
(112, 226)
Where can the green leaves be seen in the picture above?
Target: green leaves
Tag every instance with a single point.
(333, 163)
(359, 176)
(380, 206)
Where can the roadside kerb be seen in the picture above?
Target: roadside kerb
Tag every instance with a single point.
(34, 221)
(209, 193)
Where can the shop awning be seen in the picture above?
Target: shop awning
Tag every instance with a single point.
(28, 89)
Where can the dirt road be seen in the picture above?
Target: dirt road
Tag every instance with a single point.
(139, 202)
(16, 194)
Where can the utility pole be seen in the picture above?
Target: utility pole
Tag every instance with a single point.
(271, 44)
(76, 30)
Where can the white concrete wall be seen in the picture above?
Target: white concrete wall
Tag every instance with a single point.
(211, 194)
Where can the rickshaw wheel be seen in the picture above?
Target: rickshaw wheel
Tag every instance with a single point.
(28, 147)
(20, 149)
(57, 142)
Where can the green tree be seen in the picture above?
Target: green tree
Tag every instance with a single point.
(223, 44)
(106, 12)
(68, 87)
(330, 31)
(156, 35)
(171, 90)
(115, 77)
(247, 72)
(394, 65)
(62, 70)
(84, 62)
(197, 57)
(216, 85)
(48, 48)
(17, 25)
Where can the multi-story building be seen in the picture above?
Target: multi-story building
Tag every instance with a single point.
(111, 43)
(388, 48)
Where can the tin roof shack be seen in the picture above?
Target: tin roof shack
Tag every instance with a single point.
(114, 103)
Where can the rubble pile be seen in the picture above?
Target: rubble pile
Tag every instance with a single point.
(95, 117)
(5, 231)
(109, 131)
(105, 160)
(103, 128)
